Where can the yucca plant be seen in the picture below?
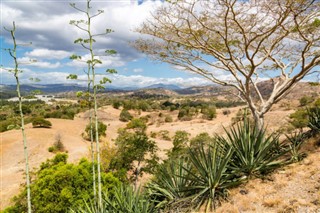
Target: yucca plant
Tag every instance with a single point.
(128, 200)
(295, 142)
(253, 151)
(125, 199)
(314, 119)
(208, 176)
(168, 187)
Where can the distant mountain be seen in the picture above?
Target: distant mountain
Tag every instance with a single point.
(46, 88)
(163, 86)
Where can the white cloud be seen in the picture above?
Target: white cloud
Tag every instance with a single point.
(117, 80)
(107, 61)
(138, 70)
(26, 61)
(48, 54)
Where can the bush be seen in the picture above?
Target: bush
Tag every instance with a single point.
(168, 119)
(201, 140)
(164, 135)
(134, 147)
(57, 145)
(305, 100)
(125, 116)
(299, 118)
(180, 144)
(226, 112)
(138, 124)
(41, 122)
(59, 186)
(209, 113)
(101, 130)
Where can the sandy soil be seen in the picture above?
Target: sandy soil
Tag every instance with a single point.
(11, 152)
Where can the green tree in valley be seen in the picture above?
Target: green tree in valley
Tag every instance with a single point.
(134, 152)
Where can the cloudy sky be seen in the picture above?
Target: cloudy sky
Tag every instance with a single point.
(45, 23)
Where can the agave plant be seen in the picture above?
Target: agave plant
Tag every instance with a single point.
(254, 151)
(169, 186)
(124, 200)
(208, 176)
(314, 119)
(128, 200)
(295, 142)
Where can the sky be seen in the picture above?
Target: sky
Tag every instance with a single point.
(45, 23)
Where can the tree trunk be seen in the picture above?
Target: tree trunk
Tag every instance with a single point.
(137, 176)
(258, 119)
(25, 146)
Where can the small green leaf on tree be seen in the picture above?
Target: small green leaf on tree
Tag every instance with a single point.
(112, 71)
(111, 52)
(72, 76)
(105, 80)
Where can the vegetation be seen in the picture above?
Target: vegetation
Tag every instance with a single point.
(87, 43)
(314, 119)
(135, 152)
(125, 199)
(58, 145)
(15, 71)
(41, 122)
(102, 128)
(253, 151)
(59, 186)
(125, 116)
(218, 33)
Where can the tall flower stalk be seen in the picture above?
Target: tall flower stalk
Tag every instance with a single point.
(16, 71)
(87, 43)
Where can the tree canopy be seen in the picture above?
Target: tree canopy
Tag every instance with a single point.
(238, 43)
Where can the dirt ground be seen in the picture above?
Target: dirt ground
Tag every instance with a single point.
(39, 140)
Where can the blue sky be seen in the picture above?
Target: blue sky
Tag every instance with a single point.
(46, 24)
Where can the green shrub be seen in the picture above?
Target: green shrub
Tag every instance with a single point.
(134, 147)
(202, 139)
(138, 124)
(299, 118)
(164, 135)
(180, 144)
(168, 119)
(59, 186)
(125, 116)
(41, 122)
(209, 113)
(101, 130)
(51, 149)
(305, 100)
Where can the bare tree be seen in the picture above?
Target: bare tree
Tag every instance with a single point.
(238, 43)
(16, 71)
